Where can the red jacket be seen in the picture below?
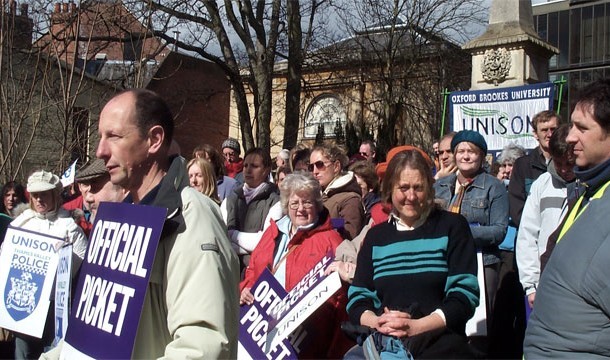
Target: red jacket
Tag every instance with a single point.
(77, 204)
(325, 338)
(380, 213)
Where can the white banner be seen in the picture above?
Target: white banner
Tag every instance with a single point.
(28, 263)
(502, 115)
(62, 292)
(67, 178)
(477, 325)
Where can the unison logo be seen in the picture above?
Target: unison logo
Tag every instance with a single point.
(495, 122)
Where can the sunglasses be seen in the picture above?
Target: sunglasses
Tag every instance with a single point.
(320, 165)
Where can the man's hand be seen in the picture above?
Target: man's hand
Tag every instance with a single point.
(445, 171)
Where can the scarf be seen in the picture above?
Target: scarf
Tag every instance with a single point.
(250, 193)
(593, 178)
(456, 202)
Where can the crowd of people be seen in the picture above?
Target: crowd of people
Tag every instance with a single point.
(404, 232)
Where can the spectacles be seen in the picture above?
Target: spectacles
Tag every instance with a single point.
(295, 205)
(320, 165)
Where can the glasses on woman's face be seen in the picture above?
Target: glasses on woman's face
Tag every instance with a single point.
(320, 165)
(294, 205)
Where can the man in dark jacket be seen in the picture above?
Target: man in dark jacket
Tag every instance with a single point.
(527, 168)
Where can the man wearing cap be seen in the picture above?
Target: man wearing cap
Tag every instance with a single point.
(233, 163)
(46, 216)
(92, 176)
(191, 306)
(96, 187)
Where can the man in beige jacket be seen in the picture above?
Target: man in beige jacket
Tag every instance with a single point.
(191, 306)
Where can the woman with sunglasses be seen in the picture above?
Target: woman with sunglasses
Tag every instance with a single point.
(290, 248)
(341, 193)
(247, 207)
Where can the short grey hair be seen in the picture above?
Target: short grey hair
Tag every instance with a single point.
(510, 153)
(300, 182)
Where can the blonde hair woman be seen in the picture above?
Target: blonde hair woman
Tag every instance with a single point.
(202, 178)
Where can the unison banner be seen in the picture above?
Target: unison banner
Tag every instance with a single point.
(302, 301)
(113, 280)
(27, 269)
(502, 115)
(254, 321)
(63, 282)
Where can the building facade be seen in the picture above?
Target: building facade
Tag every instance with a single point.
(580, 29)
(106, 41)
(375, 80)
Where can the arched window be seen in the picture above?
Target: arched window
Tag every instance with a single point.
(325, 109)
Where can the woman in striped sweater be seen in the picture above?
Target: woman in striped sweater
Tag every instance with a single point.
(416, 275)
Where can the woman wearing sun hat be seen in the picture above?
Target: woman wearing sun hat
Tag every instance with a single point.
(46, 216)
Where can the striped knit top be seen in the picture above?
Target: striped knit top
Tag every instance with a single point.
(433, 266)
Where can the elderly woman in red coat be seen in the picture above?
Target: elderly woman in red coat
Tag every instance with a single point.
(290, 248)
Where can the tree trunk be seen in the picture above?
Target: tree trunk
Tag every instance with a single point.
(293, 82)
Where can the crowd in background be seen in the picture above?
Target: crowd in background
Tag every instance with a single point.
(405, 233)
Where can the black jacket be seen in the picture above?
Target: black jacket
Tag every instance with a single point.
(525, 170)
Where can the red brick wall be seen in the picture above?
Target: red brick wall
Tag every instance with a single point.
(199, 95)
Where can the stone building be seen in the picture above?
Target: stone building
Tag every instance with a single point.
(388, 80)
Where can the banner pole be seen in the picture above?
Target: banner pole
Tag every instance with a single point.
(445, 94)
(561, 82)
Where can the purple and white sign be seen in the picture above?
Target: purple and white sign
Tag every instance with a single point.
(27, 269)
(302, 301)
(254, 321)
(112, 284)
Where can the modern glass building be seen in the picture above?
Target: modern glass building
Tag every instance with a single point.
(580, 29)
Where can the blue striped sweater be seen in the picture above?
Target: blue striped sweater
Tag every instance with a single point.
(433, 265)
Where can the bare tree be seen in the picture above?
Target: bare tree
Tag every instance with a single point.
(250, 36)
(257, 28)
(45, 104)
(408, 53)
(300, 37)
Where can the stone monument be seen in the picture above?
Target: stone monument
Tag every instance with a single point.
(510, 52)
